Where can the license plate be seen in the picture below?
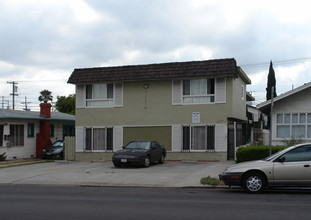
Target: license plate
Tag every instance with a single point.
(123, 160)
(48, 153)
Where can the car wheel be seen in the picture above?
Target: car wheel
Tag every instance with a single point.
(117, 165)
(161, 161)
(254, 182)
(147, 162)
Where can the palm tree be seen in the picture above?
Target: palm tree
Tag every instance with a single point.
(45, 96)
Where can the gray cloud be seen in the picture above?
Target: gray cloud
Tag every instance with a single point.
(49, 39)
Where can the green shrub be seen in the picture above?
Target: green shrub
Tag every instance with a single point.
(249, 153)
(209, 181)
(292, 141)
(2, 157)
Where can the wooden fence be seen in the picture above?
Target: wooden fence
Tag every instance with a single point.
(70, 146)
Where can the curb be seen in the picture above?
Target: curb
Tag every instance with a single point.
(15, 163)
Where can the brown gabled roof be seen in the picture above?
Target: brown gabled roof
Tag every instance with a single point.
(219, 67)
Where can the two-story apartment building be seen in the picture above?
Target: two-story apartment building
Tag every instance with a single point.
(185, 106)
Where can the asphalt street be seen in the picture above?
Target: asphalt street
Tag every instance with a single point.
(74, 202)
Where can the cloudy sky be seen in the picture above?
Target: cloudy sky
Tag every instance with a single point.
(42, 41)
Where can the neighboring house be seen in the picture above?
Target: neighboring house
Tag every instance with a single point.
(185, 106)
(18, 130)
(291, 117)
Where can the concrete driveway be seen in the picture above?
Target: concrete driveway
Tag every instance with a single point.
(169, 174)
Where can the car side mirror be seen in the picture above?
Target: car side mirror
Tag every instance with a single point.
(123, 147)
(281, 159)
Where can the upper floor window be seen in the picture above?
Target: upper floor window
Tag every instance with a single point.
(242, 92)
(198, 91)
(99, 95)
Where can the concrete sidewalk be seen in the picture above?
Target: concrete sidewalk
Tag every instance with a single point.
(169, 174)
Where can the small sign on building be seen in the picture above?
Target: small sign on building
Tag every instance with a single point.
(195, 117)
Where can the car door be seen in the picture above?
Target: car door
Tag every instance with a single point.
(155, 151)
(294, 167)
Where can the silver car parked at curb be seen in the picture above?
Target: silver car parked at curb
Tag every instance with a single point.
(288, 167)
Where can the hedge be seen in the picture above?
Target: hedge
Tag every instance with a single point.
(249, 153)
(2, 157)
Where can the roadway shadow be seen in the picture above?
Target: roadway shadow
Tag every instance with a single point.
(272, 190)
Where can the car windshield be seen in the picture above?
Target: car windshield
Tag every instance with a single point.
(271, 157)
(138, 145)
(58, 144)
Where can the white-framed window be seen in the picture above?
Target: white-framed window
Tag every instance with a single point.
(1, 135)
(16, 137)
(98, 139)
(198, 138)
(100, 95)
(198, 90)
(293, 125)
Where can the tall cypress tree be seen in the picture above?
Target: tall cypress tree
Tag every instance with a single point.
(271, 82)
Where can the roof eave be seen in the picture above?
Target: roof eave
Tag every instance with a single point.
(284, 95)
(243, 75)
(167, 70)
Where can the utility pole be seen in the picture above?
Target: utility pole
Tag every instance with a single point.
(14, 92)
(8, 104)
(26, 103)
(2, 103)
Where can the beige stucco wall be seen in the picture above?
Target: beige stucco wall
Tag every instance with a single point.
(153, 106)
(171, 156)
(235, 101)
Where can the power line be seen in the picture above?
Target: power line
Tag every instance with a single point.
(280, 62)
(39, 80)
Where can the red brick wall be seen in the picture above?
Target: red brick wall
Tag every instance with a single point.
(43, 137)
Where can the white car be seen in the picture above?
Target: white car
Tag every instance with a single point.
(288, 167)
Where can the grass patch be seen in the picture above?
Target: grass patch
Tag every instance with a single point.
(22, 163)
(209, 181)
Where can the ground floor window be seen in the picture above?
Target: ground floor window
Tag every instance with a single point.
(98, 139)
(31, 130)
(293, 125)
(199, 138)
(1, 135)
(52, 126)
(16, 137)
